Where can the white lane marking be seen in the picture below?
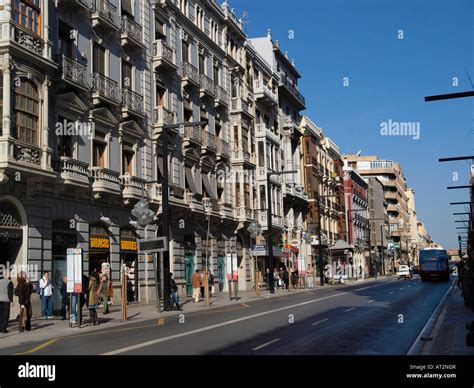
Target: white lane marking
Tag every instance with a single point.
(352, 308)
(371, 300)
(321, 321)
(401, 289)
(266, 344)
(391, 293)
(217, 325)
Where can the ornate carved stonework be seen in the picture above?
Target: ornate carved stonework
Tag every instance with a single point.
(27, 154)
(28, 41)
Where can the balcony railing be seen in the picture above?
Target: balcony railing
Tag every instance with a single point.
(190, 73)
(132, 100)
(105, 86)
(28, 40)
(207, 85)
(74, 171)
(208, 140)
(261, 90)
(263, 130)
(221, 95)
(163, 54)
(192, 134)
(210, 205)
(239, 105)
(26, 153)
(292, 89)
(222, 147)
(162, 116)
(243, 213)
(102, 9)
(133, 187)
(131, 29)
(72, 70)
(105, 180)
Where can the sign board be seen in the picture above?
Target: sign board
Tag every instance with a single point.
(231, 266)
(74, 270)
(301, 265)
(235, 274)
(128, 245)
(261, 250)
(151, 245)
(99, 242)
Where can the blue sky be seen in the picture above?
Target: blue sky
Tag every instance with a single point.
(388, 79)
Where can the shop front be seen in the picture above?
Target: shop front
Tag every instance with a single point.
(11, 233)
(129, 257)
(99, 248)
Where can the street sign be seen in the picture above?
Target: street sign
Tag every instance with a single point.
(74, 270)
(151, 245)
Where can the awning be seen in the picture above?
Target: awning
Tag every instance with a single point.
(210, 184)
(192, 181)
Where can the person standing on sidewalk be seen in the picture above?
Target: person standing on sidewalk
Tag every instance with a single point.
(106, 292)
(23, 291)
(196, 281)
(210, 282)
(46, 295)
(6, 300)
(174, 294)
(310, 277)
(64, 298)
(93, 297)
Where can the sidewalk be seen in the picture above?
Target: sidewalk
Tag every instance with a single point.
(449, 332)
(43, 330)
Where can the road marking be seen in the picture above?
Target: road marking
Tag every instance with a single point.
(352, 308)
(371, 300)
(245, 305)
(401, 289)
(227, 323)
(321, 321)
(266, 344)
(39, 347)
(161, 321)
(391, 293)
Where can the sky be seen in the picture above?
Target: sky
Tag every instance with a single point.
(387, 79)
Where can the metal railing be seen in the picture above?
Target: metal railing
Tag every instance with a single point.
(132, 100)
(105, 86)
(72, 70)
(131, 28)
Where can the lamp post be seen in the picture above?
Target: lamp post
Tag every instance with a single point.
(269, 225)
(254, 230)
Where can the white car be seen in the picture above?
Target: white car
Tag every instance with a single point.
(404, 272)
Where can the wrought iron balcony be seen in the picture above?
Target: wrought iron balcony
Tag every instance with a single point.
(264, 93)
(192, 135)
(221, 96)
(243, 214)
(130, 32)
(73, 71)
(223, 148)
(163, 55)
(132, 101)
(292, 91)
(105, 15)
(208, 141)
(207, 86)
(162, 116)
(105, 88)
(190, 74)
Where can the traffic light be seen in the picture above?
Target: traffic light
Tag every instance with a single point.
(459, 239)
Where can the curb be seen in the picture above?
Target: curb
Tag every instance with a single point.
(417, 345)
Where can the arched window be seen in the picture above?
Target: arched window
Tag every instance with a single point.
(27, 14)
(27, 112)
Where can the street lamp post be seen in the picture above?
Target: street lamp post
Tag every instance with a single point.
(269, 225)
(254, 230)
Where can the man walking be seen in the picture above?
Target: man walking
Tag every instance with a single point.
(6, 299)
(196, 281)
(46, 294)
(64, 298)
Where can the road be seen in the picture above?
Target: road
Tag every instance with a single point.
(381, 316)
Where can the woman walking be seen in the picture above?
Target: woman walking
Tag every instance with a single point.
(23, 292)
(93, 298)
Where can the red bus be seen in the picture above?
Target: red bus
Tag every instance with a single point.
(434, 264)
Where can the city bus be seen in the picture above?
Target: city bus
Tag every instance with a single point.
(434, 264)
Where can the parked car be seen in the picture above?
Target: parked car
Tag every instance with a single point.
(404, 272)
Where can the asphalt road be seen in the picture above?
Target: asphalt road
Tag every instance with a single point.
(378, 317)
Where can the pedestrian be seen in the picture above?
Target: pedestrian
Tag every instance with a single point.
(64, 298)
(460, 266)
(310, 276)
(276, 279)
(266, 277)
(286, 280)
(203, 284)
(23, 291)
(6, 300)
(106, 292)
(174, 294)
(295, 277)
(210, 282)
(196, 281)
(93, 297)
(46, 296)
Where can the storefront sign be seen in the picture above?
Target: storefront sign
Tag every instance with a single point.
(99, 243)
(9, 234)
(261, 250)
(128, 245)
(150, 245)
(231, 266)
(74, 270)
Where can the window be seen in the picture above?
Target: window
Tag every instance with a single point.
(65, 143)
(185, 51)
(245, 143)
(127, 160)
(216, 75)
(127, 8)
(127, 75)
(98, 154)
(235, 83)
(247, 195)
(262, 198)
(160, 95)
(237, 194)
(202, 64)
(65, 41)
(27, 112)
(257, 116)
(236, 136)
(98, 59)
(261, 154)
(159, 30)
(27, 14)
